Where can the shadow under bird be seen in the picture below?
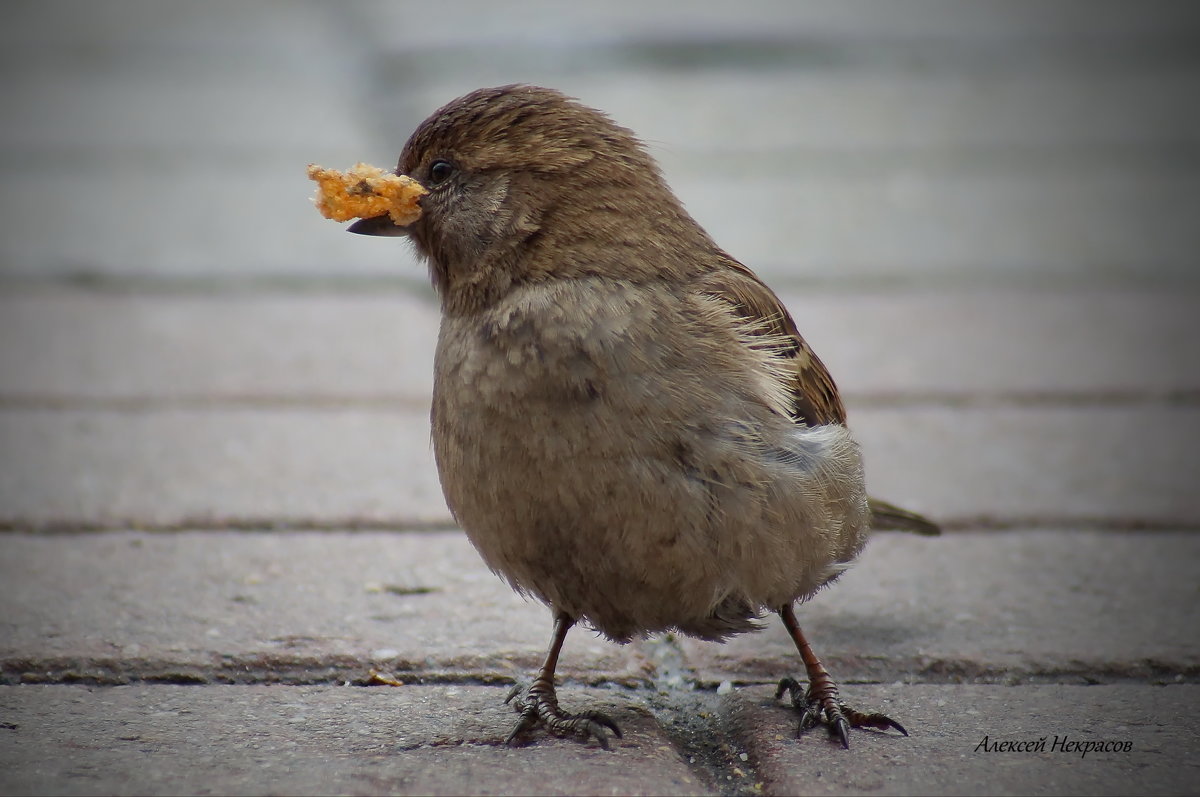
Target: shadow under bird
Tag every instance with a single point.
(626, 421)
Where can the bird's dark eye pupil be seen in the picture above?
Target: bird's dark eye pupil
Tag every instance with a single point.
(439, 171)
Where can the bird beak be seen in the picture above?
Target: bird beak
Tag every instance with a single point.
(377, 225)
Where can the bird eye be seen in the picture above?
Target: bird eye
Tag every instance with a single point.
(439, 172)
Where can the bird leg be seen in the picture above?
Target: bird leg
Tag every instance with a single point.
(821, 702)
(539, 703)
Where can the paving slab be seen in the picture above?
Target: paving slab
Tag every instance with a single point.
(930, 76)
(1013, 606)
(926, 165)
(265, 467)
(857, 119)
(1120, 466)
(929, 149)
(962, 227)
(373, 465)
(312, 740)
(311, 348)
(173, 140)
(859, 198)
(272, 228)
(216, 607)
(901, 223)
(929, 344)
(221, 607)
(958, 735)
(306, 740)
(223, 106)
(1078, 344)
(1050, 25)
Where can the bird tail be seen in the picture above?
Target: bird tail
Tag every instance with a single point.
(885, 516)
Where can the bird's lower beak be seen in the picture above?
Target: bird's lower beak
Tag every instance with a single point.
(377, 225)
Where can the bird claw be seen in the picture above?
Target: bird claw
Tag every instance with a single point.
(821, 703)
(539, 706)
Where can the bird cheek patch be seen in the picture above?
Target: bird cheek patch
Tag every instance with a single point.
(365, 192)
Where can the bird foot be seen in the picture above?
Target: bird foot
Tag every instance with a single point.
(821, 703)
(538, 705)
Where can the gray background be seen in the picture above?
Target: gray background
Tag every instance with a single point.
(214, 458)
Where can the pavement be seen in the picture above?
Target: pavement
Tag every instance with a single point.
(226, 563)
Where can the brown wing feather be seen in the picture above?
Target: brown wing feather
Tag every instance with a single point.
(815, 399)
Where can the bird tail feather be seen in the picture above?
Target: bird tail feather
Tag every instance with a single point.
(889, 517)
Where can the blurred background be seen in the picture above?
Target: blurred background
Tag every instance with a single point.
(985, 217)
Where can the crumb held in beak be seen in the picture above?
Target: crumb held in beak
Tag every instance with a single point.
(379, 198)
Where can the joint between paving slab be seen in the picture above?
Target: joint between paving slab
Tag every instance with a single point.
(1184, 397)
(207, 284)
(269, 525)
(666, 674)
(148, 404)
(412, 282)
(1066, 523)
(1028, 398)
(268, 669)
(684, 708)
(247, 525)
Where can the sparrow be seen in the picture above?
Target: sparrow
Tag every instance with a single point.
(627, 423)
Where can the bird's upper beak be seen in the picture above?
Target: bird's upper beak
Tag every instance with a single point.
(377, 225)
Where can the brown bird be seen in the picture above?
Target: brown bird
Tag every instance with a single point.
(626, 421)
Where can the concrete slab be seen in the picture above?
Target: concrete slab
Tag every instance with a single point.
(435, 740)
(317, 347)
(1118, 466)
(234, 224)
(858, 118)
(956, 228)
(172, 141)
(355, 465)
(902, 223)
(206, 349)
(958, 733)
(248, 608)
(219, 607)
(958, 177)
(1013, 606)
(824, 121)
(915, 22)
(1003, 162)
(854, 147)
(1076, 345)
(933, 147)
(305, 740)
(252, 467)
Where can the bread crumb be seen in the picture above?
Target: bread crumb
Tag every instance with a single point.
(364, 192)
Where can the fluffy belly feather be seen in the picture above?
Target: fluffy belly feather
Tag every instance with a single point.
(625, 514)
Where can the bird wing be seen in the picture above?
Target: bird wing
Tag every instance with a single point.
(813, 397)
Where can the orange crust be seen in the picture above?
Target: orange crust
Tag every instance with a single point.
(364, 192)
